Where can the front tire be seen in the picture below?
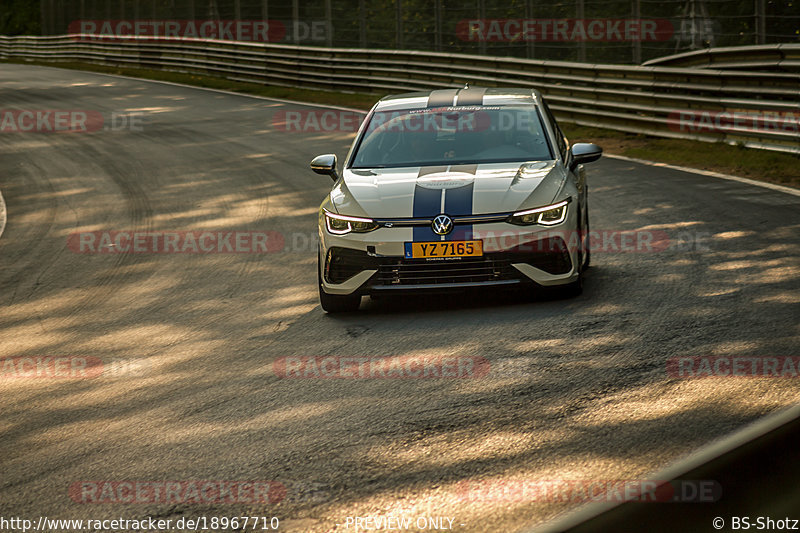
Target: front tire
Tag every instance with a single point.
(335, 303)
(575, 288)
(587, 244)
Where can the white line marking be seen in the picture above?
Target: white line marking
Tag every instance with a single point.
(779, 188)
(3, 216)
(773, 186)
(223, 91)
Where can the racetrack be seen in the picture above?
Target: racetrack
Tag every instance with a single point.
(578, 389)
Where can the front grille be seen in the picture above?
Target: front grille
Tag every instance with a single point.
(401, 272)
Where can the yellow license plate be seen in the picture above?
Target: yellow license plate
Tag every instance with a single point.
(427, 250)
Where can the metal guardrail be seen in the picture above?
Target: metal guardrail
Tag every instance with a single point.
(771, 57)
(755, 469)
(754, 109)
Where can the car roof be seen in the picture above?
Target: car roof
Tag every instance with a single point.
(466, 96)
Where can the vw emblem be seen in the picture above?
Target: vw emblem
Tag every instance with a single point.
(442, 225)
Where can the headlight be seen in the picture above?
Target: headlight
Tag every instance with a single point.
(549, 215)
(341, 224)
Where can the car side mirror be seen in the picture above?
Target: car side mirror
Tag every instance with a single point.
(584, 153)
(325, 164)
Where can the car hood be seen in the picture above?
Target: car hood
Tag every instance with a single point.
(455, 190)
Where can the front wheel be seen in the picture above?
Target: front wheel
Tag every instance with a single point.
(336, 303)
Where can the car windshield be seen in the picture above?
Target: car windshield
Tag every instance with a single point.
(452, 135)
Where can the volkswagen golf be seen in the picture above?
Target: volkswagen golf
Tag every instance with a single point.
(454, 189)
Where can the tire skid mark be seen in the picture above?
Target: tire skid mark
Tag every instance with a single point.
(139, 212)
(39, 252)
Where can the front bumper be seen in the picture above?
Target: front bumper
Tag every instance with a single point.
(364, 264)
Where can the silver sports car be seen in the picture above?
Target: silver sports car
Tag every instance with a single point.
(454, 189)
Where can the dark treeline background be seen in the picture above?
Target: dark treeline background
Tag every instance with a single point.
(432, 24)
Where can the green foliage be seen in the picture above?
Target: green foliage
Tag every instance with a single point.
(20, 17)
(421, 26)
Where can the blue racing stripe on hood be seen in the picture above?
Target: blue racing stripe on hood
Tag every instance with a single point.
(458, 202)
(427, 204)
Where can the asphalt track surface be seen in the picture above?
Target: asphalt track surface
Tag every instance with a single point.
(577, 389)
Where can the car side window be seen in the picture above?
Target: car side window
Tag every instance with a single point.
(560, 139)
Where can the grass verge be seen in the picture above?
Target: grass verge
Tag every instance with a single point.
(762, 165)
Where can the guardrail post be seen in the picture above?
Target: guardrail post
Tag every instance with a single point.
(761, 22)
(580, 15)
(399, 23)
(531, 44)
(437, 15)
(328, 23)
(59, 25)
(213, 10)
(637, 43)
(49, 17)
(42, 17)
(362, 24)
(295, 21)
(482, 16)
